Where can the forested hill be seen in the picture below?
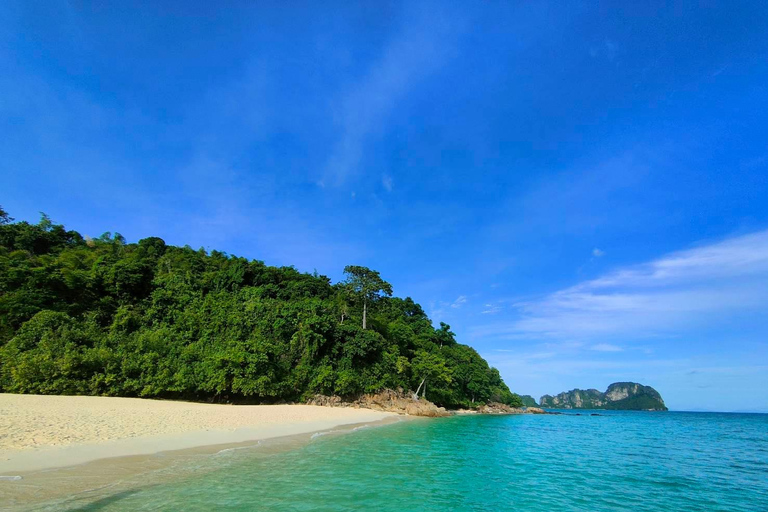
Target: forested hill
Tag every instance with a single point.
(105, 317)
(629, 396)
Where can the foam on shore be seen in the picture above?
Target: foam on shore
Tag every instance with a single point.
(40, 432)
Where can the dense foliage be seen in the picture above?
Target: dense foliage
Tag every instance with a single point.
(105, 317)
(636, 403)
(640, 398)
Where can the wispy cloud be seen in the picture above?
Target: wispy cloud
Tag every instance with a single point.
(438, 310)
(416, 51)
(387, 183)
(680, 290)
(460, 301)
(491, 309)
(736, 257)
(597, 253)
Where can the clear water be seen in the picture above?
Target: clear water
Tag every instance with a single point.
(617, 461)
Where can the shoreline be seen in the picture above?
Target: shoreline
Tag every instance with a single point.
(75, 474)
(80, 486)
(14, 463)
(41, 432)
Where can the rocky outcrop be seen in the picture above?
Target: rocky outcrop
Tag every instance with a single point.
(528, 401)
(387, 400)
(574, 399)
(619, 396)
(401, 402)
(497, 408)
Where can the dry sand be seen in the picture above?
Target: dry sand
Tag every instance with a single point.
(38, 432)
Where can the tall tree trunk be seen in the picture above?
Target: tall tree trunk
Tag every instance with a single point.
(416, 395)
(365, 308)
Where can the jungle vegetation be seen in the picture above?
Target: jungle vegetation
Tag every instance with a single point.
(105, 317)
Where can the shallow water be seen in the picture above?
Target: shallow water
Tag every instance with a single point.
(616, 461)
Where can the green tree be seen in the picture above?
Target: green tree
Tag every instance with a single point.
(340, 301)
(368, 285)
(444, 336)
(430, 367)
(4, 217)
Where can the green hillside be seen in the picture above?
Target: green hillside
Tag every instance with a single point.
(106, 317)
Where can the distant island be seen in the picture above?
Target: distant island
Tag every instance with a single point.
(627, 396)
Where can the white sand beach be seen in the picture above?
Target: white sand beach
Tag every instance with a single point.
(38, 432)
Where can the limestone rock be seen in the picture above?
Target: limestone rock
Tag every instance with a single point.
(618, 396)
(497, 408)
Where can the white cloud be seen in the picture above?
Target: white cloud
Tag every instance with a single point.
(733, 258)
(460, 301)
(597, 253)
(438, 310)
(386, 182)
(491, 309)
(676, 292)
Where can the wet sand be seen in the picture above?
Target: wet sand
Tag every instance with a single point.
(76, 450)
(39, 432)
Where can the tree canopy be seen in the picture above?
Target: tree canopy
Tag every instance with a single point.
(101, 316)
(367, 285)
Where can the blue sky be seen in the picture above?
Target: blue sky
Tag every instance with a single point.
(580, 191)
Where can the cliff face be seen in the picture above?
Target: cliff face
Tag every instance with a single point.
(619, 396)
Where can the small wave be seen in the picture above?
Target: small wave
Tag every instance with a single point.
(11, 478)
(360, 427)
(318, 434)
(227, 450)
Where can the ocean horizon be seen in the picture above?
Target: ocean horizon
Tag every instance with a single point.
(617, 461)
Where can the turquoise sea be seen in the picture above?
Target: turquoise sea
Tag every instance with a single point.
(638, 461)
